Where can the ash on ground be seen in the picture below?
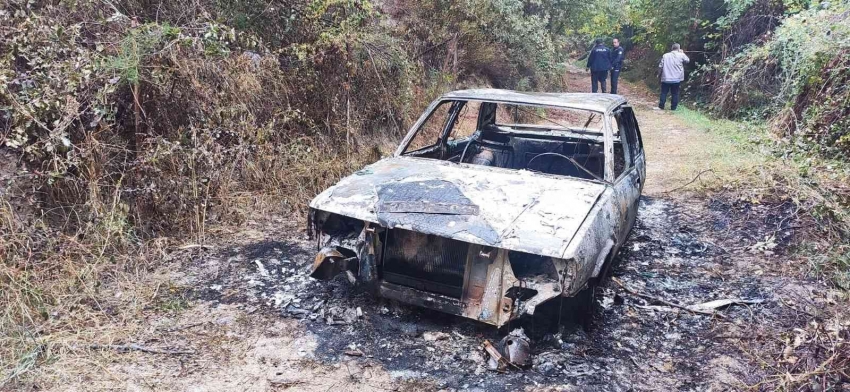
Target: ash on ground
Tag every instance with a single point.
(675, 253)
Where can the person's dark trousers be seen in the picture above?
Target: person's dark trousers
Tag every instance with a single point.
(615, 76)
(598, 78)
(673, 89)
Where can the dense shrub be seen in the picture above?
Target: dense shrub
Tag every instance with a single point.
(167, 111)
(797, 76)
(123, 123)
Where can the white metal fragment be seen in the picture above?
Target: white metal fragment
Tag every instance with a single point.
(261, 269)
(719, 303)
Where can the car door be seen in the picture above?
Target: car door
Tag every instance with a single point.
(620, 197)
(627, 172)
(635, 142)
(637, 161)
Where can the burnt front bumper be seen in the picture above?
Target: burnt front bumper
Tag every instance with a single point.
(487, 284)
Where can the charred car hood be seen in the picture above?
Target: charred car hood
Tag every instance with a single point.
(510, 209)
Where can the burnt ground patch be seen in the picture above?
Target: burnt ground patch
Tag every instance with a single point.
(770, 226)
(678, 253)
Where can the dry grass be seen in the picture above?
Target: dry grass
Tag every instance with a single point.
(701, 156)
(689, 144)
(744, 160)
(190, 133)
(60, 291)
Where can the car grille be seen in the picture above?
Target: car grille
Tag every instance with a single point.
(425, 262)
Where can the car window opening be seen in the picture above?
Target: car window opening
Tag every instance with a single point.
(559, 141)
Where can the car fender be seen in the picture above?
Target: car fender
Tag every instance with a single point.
(602, 256)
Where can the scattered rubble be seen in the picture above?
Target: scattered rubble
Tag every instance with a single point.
(435, 336)
(497, 361)
(632, 343)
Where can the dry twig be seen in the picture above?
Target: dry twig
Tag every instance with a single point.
(663, 301)
(689, 182)
(137, 347)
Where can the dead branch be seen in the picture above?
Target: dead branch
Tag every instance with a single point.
(689, 182)
(424, 52)
(137, 347)
(381, 81)
(286, 383)
(182, 327)
(663, 301)
(193, 246)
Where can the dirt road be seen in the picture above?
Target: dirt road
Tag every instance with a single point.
(254, 321)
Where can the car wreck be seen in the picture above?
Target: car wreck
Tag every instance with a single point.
(494, 203)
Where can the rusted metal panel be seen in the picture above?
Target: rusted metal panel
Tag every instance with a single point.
(331, 261)
(421, 298)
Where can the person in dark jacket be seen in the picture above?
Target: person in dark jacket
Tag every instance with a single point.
(599, 63)
(617, 56)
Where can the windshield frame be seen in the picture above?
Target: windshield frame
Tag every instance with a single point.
(606, 134)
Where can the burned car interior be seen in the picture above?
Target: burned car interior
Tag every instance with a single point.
(494, 203)
(503, 137)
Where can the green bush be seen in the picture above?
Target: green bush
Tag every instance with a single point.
(797, 77)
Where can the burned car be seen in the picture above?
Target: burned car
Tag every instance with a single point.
(495, 202)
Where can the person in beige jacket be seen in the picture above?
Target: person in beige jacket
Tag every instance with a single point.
(671, 71)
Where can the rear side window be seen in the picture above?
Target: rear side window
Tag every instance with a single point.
(621, 160)
(629, 125)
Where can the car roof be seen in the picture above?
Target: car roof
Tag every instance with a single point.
(583, 101)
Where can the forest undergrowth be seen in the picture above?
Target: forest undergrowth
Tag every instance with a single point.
(132, 128)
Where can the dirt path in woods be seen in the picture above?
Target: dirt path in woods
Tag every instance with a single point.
(255, 322)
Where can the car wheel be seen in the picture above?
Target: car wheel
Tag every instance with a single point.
(586, 303)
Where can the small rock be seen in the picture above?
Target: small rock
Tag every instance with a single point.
(547, 368)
